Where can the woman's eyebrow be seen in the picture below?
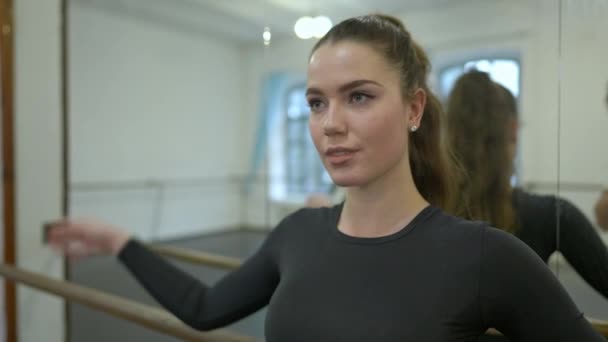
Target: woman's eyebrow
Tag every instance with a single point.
(343, 88)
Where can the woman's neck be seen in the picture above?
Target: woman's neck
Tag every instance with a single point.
(383, 207)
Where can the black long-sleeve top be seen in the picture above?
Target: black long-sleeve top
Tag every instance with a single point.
(440, 278)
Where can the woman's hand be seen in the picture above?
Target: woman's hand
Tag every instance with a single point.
(82, 238)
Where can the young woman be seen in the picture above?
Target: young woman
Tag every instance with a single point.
(477, 104)
(387, 265)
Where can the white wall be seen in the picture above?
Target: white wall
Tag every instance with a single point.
(152, 103)
(38, 160)
(457, 31)
(584, 115)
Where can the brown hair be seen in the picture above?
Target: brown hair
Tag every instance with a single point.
(479, 113)
(431, 163)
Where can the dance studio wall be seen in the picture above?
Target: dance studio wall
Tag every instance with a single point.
(149, 102)
(38, 160)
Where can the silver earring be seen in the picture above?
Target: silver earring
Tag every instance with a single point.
(414, 128)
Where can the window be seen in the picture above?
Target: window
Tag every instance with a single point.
(304, 170)
(505, 71)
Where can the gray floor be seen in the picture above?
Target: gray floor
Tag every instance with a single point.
(107, 274)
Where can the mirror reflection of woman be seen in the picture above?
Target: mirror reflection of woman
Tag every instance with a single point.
(483, 131)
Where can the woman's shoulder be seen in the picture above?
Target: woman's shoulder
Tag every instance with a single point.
(474, 234)
(487, 245)
(451, 225)
(472, 244)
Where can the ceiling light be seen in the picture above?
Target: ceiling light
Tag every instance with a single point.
(266, 36)
(322, 25)
(308, 27)
(304, 28)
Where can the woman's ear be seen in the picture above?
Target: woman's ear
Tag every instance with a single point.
(416, 108)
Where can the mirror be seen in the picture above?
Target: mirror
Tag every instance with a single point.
(583, 166)
(188, 124)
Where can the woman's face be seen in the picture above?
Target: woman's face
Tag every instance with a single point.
(359, 119)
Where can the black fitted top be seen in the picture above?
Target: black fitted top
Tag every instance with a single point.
(578, 240)
(439, 279)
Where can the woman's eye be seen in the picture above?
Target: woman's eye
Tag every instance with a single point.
(315, 105)
(359, 97)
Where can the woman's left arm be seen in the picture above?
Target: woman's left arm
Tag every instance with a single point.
(520, 296)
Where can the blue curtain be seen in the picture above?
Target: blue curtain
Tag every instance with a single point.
(274, 87)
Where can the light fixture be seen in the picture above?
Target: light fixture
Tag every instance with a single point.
(322, 25)
(308, 27)
(266, 36)
(303, 27)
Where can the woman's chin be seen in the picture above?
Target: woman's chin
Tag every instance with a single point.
(346, 181)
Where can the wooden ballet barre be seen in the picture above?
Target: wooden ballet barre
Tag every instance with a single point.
(493, 332)
(600, 326)
(197, 257)
(142, 314)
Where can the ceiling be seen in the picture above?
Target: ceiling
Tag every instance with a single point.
(245, 19)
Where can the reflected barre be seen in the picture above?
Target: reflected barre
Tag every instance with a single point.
(565, 186)
(145, 315)
(197, 257)
(157, 183)
(154, 183)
